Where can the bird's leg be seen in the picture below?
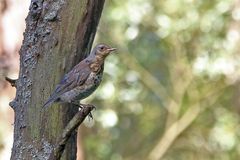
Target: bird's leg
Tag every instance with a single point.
(76, 103)
(89, 105)
(81, 106)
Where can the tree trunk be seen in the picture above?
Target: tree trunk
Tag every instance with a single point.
(59, 33)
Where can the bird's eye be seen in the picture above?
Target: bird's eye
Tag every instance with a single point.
(102, 47)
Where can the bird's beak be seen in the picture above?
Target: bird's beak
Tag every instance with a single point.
(111, 49)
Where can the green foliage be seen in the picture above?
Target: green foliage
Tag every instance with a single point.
(175, 59)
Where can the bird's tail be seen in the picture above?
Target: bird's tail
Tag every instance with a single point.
(49, 102)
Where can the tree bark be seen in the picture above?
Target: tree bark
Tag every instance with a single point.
(59, 33)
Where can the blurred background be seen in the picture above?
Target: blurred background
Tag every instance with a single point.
(172, 91)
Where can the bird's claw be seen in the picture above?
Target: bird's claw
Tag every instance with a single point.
(81, 106)
(92, 108)
(90, 113)
(90, 116)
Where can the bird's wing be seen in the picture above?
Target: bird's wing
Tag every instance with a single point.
(76, 77)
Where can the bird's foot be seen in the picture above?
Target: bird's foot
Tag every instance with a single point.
(77, 104)
(82, 106)
(92, 108)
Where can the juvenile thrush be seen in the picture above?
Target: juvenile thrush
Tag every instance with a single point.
(83, 79)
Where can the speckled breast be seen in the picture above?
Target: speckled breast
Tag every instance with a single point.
(84, 90)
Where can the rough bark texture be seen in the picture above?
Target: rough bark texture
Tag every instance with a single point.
(71, 126)
(59, 33)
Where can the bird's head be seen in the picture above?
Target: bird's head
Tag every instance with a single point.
(103, 50)
(98, 55)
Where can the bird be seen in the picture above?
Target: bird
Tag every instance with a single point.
(83, 79)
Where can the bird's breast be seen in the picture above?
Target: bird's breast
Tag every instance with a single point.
(89, 86)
